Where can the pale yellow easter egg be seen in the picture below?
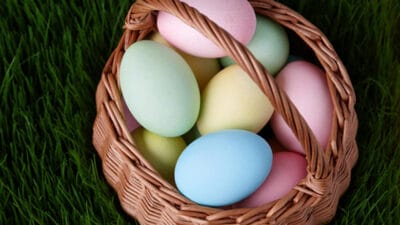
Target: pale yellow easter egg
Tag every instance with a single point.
(161, 152)
(231, 100)
(203, 68)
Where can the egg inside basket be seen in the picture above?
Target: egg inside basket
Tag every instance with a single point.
(146, 196)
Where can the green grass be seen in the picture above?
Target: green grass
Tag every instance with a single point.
(51, 57)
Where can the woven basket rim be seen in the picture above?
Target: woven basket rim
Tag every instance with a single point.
(144, 195)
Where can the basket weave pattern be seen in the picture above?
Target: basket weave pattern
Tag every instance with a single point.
(144, 195)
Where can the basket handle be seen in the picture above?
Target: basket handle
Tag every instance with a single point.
(141, 16)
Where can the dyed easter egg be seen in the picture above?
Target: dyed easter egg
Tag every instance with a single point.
(159, 88)
(223, 167)
(160, 152)
(270, 45)
(232, 100)
(203, 68)
(288, 168)
(306, 86)
(235, 16)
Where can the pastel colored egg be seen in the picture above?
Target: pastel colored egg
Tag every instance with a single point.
(232, 100)
(161, 152)
(288, 168)
(159, 88)
(270, 45)
(235, 16)
(223, 167)
(306, 86)
(203, 68)
(131, 122)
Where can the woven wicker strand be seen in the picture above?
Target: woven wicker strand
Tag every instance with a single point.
(144, 195)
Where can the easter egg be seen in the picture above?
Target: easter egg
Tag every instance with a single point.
(288, 168)
(131, 122)
(161, 152)
(159, 88)
(237, 17)
(232, 100)
(270, 45)
(306, 86)
(203, 68)
(223, 167)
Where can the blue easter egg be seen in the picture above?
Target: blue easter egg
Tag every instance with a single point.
(223, 167)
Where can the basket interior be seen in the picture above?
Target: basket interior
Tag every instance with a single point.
(151, 200)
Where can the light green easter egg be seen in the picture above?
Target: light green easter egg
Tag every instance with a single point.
(270, 45)
(231, 100)
(161, 152)
(159, 88)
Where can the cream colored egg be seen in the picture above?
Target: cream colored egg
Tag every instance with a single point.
(231, 100)
(161, 152)
(203, 68)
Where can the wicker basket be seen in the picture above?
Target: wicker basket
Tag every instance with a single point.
(144, 195)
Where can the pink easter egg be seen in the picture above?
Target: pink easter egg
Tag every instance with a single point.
(235, 16)
(306, 86)
(288, 168)
(131, 122)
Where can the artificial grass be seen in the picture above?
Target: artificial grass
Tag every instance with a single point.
(51, 57)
